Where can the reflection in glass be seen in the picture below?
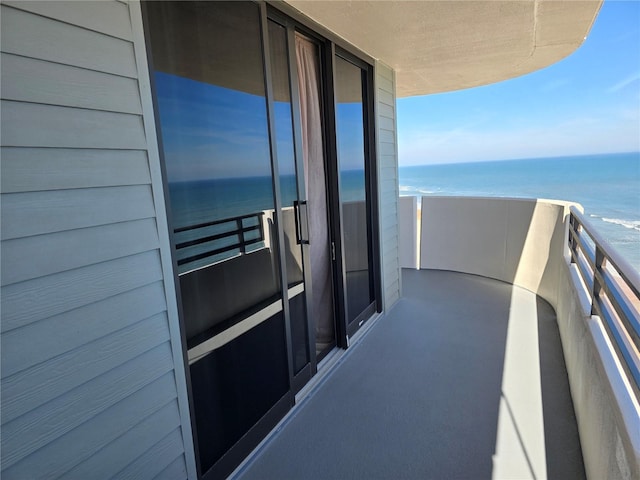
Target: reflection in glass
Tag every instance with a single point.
(210, 91)
(353, 192)
(291, 217)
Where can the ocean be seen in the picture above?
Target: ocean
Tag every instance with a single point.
(607, 186)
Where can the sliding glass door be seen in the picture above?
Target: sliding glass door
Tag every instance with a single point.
(269, 187)
(223, 186)
(355, 188)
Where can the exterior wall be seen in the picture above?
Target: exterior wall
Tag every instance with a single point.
(93, 384)
(387, 149)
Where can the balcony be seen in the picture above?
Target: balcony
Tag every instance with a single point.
(492, 365)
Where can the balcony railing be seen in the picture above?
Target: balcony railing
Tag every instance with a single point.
(614, 289)
(228, 234)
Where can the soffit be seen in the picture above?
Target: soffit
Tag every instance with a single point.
(439, 46)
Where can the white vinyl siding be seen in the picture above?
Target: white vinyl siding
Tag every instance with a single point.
(388, 182)
(92, 376)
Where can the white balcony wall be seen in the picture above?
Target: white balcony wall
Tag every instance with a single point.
(524, 242)
(408, 241)
(517, 241)
(387, 151)
(607, 412)
(93, 384)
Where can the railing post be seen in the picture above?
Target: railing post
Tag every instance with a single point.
(573, 230)
(243, 247)
(261, 224)
(600, 263)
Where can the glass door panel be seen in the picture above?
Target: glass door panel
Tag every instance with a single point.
(293, 216)
(315, 180)
(354, 195)
(210, 91)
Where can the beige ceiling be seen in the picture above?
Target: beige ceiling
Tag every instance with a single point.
(439, 46)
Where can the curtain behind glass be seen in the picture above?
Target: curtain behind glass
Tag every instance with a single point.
(312, 144)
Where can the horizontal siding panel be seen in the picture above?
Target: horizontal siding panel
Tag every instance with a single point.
(393, 285)
(56, 458)
(34, 36)
(28, 302)
(388, 161)
(37, 125)
(387, 149)
(386, 136)
(386, 111)
(384, 72)
(155, 460)
(37, 169)
(53, 419)
(111, 18)
(388, 132)
(390, 197)
(389, 218)
(177, 470)
(37, 213)
(125, 449)
(392, 295)
(391, 229)
(391, 141)
(391, 208)
(391, 265)
(387, 157)
(37, 81)
(388, 168)
(391, 187)
(388, 236)
(37, 342)
(388, 185)
(40, 384)
(384, 84)
(389, 243)
(385, 97)
(41, 255)
(386, 123)
(389, 223)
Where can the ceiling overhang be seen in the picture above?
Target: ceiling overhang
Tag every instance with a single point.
(440, 46)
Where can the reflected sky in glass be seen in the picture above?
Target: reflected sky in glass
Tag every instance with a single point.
(213, 132)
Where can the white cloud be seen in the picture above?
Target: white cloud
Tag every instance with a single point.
(624, 83)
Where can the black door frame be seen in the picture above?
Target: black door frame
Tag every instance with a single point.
(371, 186)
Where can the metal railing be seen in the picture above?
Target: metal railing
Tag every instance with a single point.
(614, 288)
(238, 227)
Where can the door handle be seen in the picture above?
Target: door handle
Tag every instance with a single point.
(302, 222)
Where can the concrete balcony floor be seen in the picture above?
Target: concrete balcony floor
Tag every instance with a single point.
(463, 378)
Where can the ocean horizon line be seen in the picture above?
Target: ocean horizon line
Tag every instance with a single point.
(554, 157)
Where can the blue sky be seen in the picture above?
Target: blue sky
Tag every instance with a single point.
(587, 103)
